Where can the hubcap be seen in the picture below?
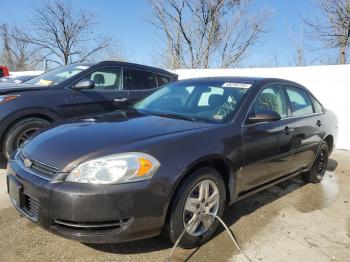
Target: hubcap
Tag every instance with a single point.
(25, 135)
(202, 200)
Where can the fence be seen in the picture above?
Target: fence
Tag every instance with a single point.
(330, 84)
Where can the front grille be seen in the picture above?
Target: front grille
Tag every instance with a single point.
(38, 167)
(93, 226)
(31, 207)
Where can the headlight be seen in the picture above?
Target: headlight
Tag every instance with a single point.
(115, 169)
(4, 99)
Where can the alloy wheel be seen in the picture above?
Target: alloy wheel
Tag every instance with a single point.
(204, 199)
(25, 135)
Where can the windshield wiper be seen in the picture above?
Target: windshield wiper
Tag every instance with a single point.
(188, 118)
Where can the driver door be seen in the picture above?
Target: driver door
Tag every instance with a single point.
(267, 145)
(103, 97)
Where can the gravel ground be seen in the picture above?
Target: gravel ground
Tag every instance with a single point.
(292, 221)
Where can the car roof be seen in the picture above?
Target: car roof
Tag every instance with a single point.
(136, 66)
(241, 79)
(224, 78)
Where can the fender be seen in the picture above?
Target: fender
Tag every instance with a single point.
(38, 112)
(232, 182)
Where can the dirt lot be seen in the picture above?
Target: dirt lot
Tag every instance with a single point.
(288, 222)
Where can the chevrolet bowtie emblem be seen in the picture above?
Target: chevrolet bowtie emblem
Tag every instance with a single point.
(27, 163)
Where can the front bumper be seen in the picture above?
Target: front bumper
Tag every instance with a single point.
(90, 213)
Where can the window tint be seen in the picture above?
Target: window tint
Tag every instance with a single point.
(318, 107)
(1, 72)
(163, 80)
(138, 80)
(107, 78)
(271, 98)
(300, 101)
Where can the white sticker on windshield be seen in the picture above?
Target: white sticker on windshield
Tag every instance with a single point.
(237, 85)
(82, 67)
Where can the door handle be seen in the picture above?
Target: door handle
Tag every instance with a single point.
(288, 130)
(122, 99)
(319, 123)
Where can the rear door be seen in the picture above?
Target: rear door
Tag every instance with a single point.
(267, 145)
(137, 84)
(307, 127)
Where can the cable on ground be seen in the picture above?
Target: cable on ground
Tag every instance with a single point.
(235, 242)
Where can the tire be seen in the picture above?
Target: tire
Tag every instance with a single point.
(319, 168)
(20, 131)
(178, 216)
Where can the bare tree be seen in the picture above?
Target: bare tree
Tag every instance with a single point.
(299, 47)
(17, 54)
(206, 33)
(333, 29)
(65, 35)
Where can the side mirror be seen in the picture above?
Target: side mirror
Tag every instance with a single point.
(84, 84)
(263, 116)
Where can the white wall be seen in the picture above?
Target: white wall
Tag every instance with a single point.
(26, 73)
(330, 84)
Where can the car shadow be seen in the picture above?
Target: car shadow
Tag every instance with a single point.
(250, 204)
(134, 247)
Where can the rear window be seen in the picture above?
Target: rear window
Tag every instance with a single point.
(134, 79)
(300, 101)
(163, 80)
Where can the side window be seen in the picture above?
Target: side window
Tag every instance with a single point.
(1, 72)
(163, 80)
(271, 98)
(318, 107)
(300, 101)
(107, 78)
(134, 79)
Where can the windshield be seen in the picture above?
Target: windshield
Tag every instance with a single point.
(208, 102)
(57, 75)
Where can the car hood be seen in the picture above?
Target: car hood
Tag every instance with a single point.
(82, 139)
(6, 88)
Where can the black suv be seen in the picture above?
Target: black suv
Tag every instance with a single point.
(72, 90)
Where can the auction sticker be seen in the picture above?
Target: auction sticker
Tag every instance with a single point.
(237, 85)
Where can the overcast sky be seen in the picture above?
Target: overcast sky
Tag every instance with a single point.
(126, 21)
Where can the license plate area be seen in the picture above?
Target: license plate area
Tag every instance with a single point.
(16, 192)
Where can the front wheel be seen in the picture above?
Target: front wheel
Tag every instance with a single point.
(319, 168)
(20, 132)
(201, 194)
